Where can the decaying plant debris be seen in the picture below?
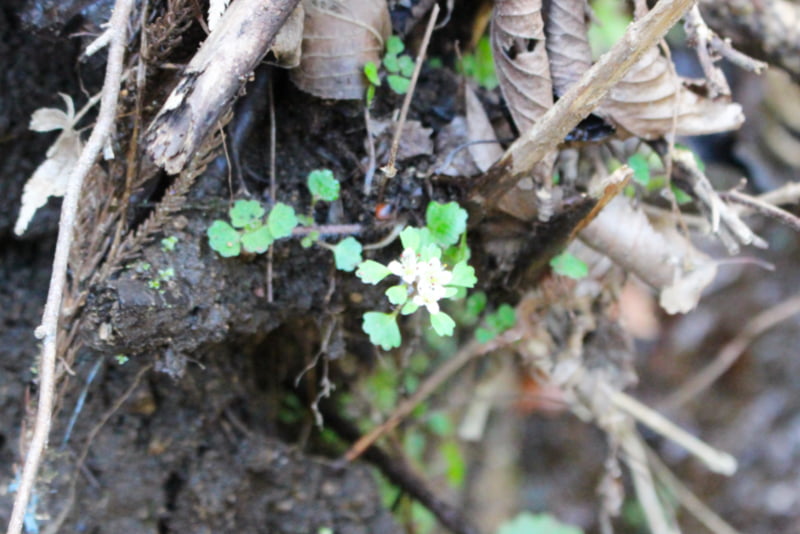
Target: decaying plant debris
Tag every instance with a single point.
(189, 121)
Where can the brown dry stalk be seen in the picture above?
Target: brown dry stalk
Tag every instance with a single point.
(389, 169)
(431, 384)
(48, 331)
(577, 103)
(702, 380)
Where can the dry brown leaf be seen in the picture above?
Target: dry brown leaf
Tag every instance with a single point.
(644, 101)
(520, 56)
(567, 43)
(414, 141)
(661, 256)
(50, 178)
(479, 130)
(339, 37)
(288, 44)
(452, 159)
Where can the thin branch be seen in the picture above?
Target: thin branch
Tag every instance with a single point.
(689, 500)
(389, 169)
(578, 102)
(765, 208)
(732, 351)
(714, 459)
(431, 384)
(48, 331)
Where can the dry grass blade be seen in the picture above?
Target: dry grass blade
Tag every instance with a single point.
(338, 39)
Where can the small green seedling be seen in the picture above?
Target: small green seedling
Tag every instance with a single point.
(569, 265)
(399, 68)
(528, 523)
(168, 243)
(496, 323)
(425, 278)
(479, 65)
(323, 186)
(248, 230)
(164, 275)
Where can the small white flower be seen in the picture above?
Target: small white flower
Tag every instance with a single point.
(407, 268)
(428, 299)
(434, 273)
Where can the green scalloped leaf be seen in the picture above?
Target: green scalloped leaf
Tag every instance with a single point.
(397, 294)
(224, 239)
(257, 241)
(446, 222)
(443, 324)
(372, 272)
(347, 254)
(244, 213)
(281, 220)
(382, 329)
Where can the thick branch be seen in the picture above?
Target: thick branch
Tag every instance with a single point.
(577, 102)
(213, 78)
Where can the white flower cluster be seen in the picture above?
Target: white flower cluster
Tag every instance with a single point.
(428, 279)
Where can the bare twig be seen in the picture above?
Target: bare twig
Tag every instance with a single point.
(731, 352)
(636, 458)
(48, 331)
(688, 500)
(431, 384)
(578, 102)
(402, 474)
(757, 205)
(273, 184)
(714, 459)
(389, 169)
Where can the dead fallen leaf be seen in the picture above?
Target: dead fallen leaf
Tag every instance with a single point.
(339, 37)
(479, 130)
(567, 43)
(452, 158)
(660, 256)
(50, 178)
(288, 43)
(644, 102)
(414, 141)
(520, 55)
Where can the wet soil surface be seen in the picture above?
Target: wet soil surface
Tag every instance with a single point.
(179, 395)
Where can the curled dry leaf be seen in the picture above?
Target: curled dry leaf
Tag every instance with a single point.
(567, 43)
(485, 150)
(339, 37)
(288, 44)
(661, 256)
(644, 102)
(520, 55)
(50, 178)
